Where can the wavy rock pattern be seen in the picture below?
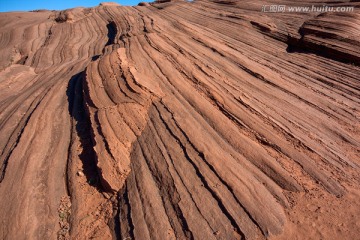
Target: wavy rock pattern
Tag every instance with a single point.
(176, 120)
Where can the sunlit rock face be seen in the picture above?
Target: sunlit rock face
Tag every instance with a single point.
(180, 120)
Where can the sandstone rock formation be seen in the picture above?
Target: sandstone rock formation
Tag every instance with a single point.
(180, 120)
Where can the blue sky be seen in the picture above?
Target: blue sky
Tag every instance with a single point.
(26, 5)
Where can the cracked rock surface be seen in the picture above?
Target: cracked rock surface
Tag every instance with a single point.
(180, 120)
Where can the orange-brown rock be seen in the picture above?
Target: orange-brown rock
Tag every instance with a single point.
(180, 120)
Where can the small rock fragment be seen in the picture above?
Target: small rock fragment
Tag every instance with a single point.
(80, 173)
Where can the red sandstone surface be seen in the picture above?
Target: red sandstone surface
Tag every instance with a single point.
(180, 120)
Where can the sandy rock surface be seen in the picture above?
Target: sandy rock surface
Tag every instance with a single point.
(180, 120)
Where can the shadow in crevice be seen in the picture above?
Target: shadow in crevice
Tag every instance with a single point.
(295, 45)
(300, 45)
(112, 32)
(95, 57)
(83, 130)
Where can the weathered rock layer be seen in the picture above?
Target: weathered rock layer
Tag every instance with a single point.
(179, 120)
